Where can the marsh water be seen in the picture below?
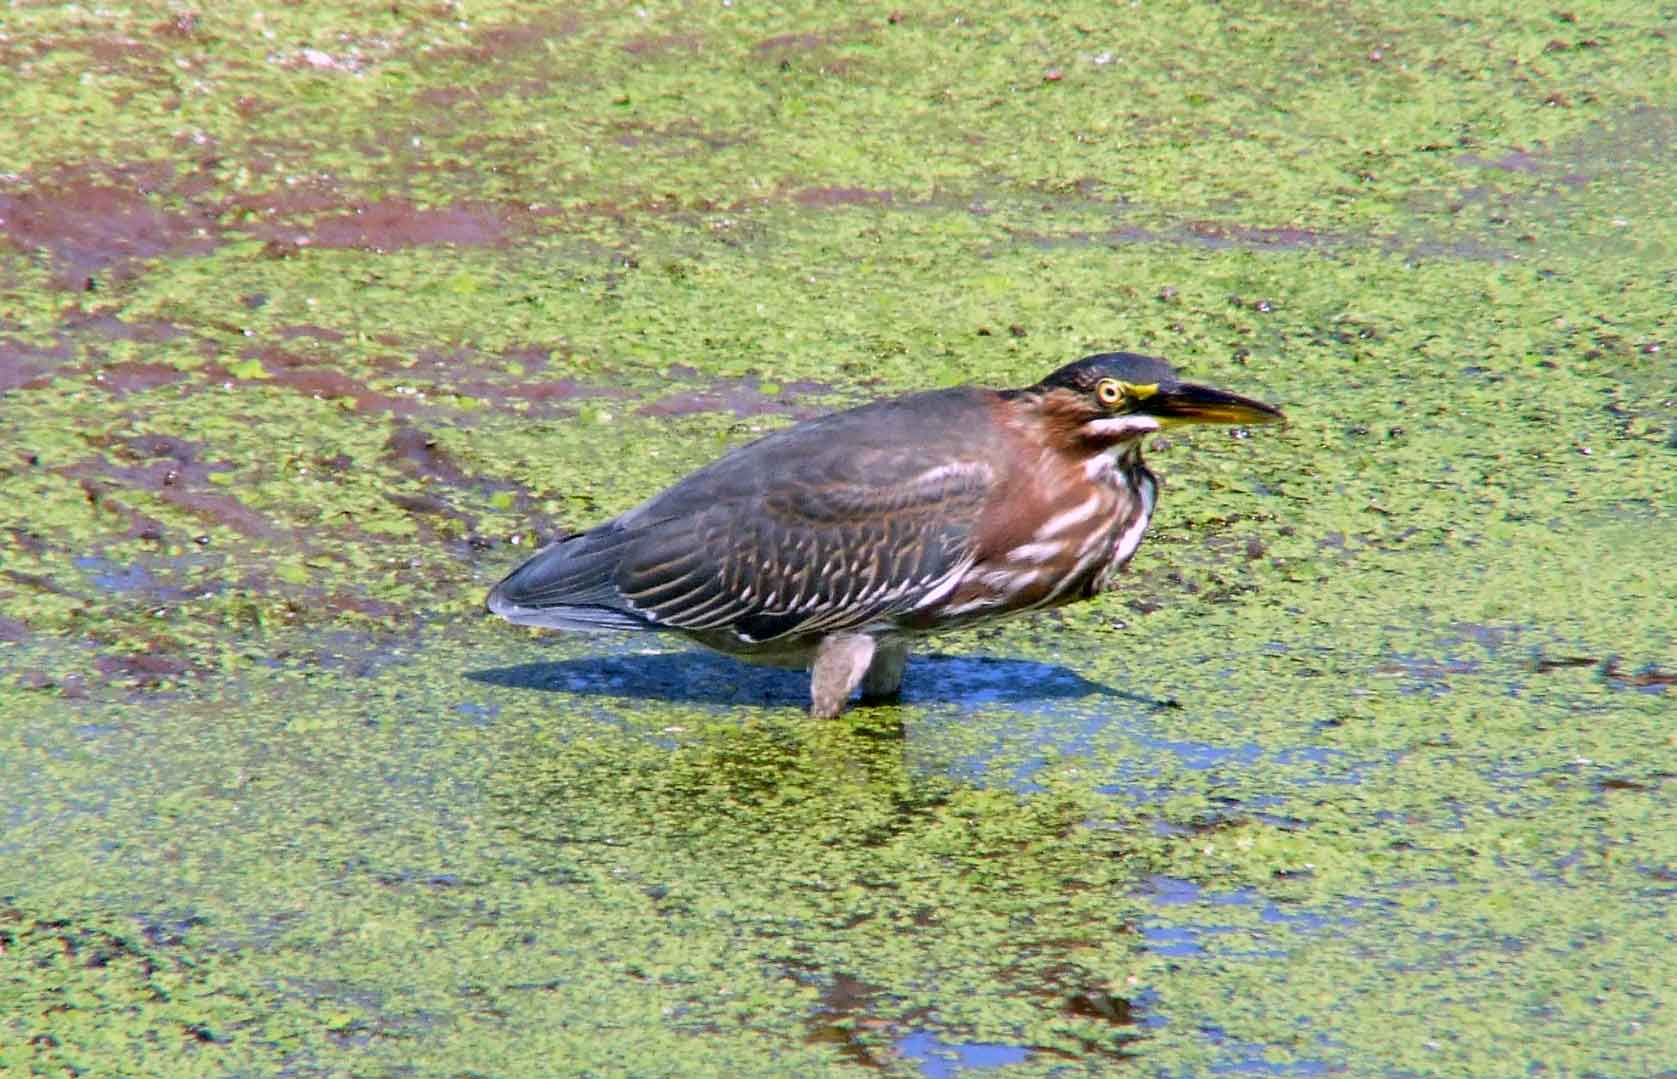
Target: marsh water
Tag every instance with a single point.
(315, 320)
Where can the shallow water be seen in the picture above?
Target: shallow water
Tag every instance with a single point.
(308, 332)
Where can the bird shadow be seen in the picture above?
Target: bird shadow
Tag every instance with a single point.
(705, 678)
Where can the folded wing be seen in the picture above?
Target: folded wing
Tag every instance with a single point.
(830, 525)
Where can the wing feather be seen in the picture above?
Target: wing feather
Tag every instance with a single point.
(835, 524)
(805, 560)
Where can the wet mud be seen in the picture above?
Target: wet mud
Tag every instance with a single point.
(92, 230)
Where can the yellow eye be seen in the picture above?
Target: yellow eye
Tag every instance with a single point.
(1110, 391)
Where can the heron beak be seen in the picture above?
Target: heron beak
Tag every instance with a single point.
(1188, 403)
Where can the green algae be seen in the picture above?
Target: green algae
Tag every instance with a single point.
(768, 858)
(1390, 686)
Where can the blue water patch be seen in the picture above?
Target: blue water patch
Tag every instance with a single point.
(113, 576)
(943, 1060)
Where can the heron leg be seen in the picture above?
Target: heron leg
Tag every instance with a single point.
(841, 662)
(884, 679)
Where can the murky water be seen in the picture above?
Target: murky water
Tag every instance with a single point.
(312, 325)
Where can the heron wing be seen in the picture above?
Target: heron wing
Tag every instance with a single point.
(828, 525)
(807, 557)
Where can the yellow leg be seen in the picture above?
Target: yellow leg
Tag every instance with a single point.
(841, 662)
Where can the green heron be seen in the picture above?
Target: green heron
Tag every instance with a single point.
(832, 543)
